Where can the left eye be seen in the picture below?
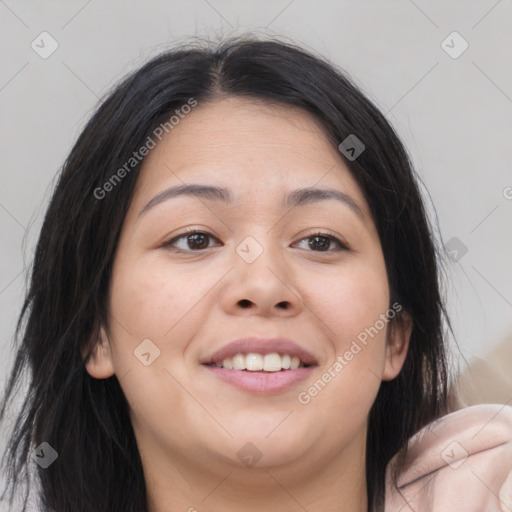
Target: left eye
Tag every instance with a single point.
(194, 241)
(321, 242)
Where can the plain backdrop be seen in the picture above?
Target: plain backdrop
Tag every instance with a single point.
(451, 105)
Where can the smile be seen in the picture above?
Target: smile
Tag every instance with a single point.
(261, 374)
(253, 362)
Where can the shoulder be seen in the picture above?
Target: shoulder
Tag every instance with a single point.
(463, 461)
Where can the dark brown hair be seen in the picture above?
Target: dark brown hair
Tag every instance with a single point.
(98, 468)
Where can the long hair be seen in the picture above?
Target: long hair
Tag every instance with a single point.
(85, 419)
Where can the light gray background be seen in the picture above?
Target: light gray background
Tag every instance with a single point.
(453, 114)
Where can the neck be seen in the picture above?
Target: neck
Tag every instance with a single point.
(175, 484)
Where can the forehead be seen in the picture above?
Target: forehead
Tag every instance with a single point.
(251, 126)
(256, 149)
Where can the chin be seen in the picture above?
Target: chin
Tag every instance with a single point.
(265, 450)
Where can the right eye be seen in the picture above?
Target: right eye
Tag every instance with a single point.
(191, 241)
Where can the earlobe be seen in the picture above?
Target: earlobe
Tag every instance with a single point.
(399, 335)
(99, 364)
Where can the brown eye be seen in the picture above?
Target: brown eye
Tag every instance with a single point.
(322, 242)
(190, 241)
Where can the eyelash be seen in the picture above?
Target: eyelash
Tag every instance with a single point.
(341, 245)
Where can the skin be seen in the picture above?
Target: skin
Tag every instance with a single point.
(189, 424)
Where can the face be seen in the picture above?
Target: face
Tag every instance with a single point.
(310, 270)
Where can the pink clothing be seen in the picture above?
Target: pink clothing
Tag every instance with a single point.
(460, 463)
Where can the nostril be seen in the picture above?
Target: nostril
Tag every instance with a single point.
(245, 303)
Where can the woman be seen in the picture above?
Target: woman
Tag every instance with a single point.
(234, 302)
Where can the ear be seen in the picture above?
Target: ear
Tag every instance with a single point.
(99, 364)
(399, 335)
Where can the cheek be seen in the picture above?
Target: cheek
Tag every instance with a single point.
(351, 303)
(149, 298)
(347, 385)
(352, 306)
(148, 301)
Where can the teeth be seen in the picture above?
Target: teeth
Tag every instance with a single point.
(272, 363)
(254, 362)
(238, 362)
(257, 362)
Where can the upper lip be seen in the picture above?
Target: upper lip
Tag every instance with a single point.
(261, 346)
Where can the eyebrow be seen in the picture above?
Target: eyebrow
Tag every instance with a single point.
(298, 197)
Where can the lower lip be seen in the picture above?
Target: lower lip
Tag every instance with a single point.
(260, 382)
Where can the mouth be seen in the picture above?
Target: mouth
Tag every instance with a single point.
(266, 363)
(260, 366)
(261, 374)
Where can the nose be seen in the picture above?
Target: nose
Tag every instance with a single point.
(264, 286)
